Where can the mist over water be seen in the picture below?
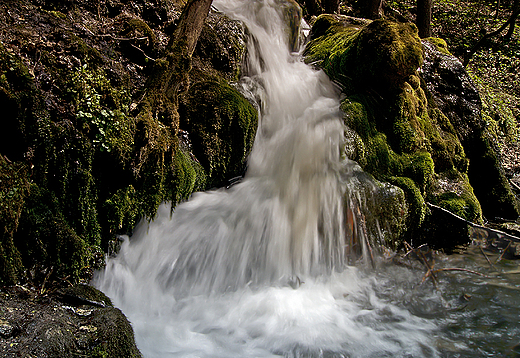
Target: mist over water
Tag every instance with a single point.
(259, 269)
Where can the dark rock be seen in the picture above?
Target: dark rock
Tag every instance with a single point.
(453, 92)
(45, 327)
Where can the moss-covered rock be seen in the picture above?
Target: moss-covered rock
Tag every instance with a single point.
(49, 247)
(222, 128)
(79, 321)
(221, 48)
(94, 132)
(14, 188)
(398, 135)
(453, 93)
(380, 56)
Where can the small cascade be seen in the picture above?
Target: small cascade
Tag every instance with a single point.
(262, 268)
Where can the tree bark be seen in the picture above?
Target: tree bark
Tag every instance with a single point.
(509, 23)
(158, 117)
(190, 24)
(424, 18)
(516, 7)
(331, 6)
(371, 9)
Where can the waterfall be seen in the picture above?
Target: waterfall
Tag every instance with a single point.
(259, 269)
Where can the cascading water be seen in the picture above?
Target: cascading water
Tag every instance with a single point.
(258, 270)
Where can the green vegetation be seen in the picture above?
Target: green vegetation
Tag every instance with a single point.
(222, 128)
(97, 146)
(406, 140)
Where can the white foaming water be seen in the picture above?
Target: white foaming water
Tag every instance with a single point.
(258, 270)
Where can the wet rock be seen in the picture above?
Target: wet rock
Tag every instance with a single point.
(6, 329)
(453, 92)
(43, 326)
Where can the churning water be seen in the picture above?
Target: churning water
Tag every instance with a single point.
(259, 269)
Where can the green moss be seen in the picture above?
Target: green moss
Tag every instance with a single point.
(439, 44)
(380, 56)
(47, 243)
(420, 168)
(122, 210)
(14, 187)
(222, 128)
(189, 176)
(356, 117)
(417, 206)
(457, 196)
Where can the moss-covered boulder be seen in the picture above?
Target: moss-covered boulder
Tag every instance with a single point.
(380, 57)
(453, 93)
(394, 130)
(78, 321)
(222, 128)
(90, 157)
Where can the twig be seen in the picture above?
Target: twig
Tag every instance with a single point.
(463, 270)
(514, 185)
(487, 259)
(420, 254)
(42, 289)
(145, 55)
(503, 252)
(508, 236)
(430, 269)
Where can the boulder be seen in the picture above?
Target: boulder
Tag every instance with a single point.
(455, 95)
(76, 321)
(395, 129)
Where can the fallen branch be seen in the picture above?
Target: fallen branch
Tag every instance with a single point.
(487, 259)
(489, 230)
(503, 252)
(144, 54)
(487, 36)
(514, 185)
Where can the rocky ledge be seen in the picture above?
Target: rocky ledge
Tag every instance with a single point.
(73, 322)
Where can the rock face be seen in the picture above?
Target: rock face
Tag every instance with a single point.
(75, 322)
(456, 96)
(85, 164)
(412, 120)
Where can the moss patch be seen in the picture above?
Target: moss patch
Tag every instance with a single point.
(400, 137)
(381, 55)
(222, 128)
(14, 187)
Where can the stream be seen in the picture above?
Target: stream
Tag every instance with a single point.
(259, 269)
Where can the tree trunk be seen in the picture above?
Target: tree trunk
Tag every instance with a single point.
(516, 7)
(312, 7)
(371, 9)
(190, 24)
(158, 117)
(331, 6)
(424, 18)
